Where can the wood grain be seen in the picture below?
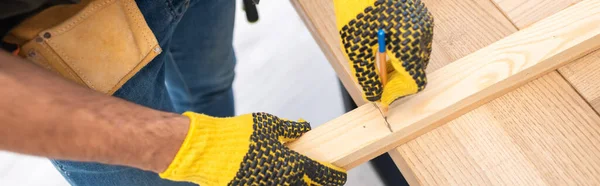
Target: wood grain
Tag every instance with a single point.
(492, 71)
(348, 140)
(581, 74)
(459, 87)
(452, 40)
(505, 143)
(584, 75)
(524, 13)
(472, 150)
(319, 17)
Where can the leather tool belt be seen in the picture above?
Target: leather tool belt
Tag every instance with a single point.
(100, 44)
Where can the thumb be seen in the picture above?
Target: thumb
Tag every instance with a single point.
(290, 130)
(408, 76)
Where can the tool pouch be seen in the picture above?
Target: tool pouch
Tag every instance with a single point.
(97, 43)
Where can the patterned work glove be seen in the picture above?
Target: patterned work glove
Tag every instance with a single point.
(408, 26)
(247, 150)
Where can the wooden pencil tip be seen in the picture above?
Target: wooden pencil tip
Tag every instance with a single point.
(384, 111)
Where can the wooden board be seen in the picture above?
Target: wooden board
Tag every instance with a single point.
(458, 86)
(480, 76)
(348, 140)
(540, 134)
(448, 164)
(524, 13)
(583, 74)
(451, 43)
(319, 17)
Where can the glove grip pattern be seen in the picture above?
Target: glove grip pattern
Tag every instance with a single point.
(269, 162)
(247, 150)
(409, 28)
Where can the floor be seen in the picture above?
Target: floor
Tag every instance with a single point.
(280, 70)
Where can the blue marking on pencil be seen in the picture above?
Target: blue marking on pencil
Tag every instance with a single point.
(381, 60)
(381, 38)
(382, 57)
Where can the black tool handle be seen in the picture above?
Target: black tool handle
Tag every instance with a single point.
(251, 11)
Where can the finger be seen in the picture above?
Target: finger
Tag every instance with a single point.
(322, 173)
(408, 76)
(359, 46)
(290, 130)
(399, 85)
(409, 52)
(359, 40)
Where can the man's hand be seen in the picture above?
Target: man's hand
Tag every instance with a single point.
(70, 122)
(247, 149)
(409, 29)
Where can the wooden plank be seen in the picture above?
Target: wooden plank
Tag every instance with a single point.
(319, 17)
(461, 86)
(524, 13)
(348, 140)
(495, 69)
(439, 157)
(450, 43)
(505, 143)
(584, 76)
(581, 74)
(406, 170)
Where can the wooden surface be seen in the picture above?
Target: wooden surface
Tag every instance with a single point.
(348, 140)
(470, 81)
(461, 86)
(505, 143)
(474, 150)
(523, 13)
(582, 74)
(319, 17)
(453, 40)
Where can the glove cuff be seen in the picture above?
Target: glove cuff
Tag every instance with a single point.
(212, 150)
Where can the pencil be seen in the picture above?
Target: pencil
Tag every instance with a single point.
(382, 57)
(381, 60)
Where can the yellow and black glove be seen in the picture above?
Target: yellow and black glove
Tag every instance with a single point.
(408, 26)
(247, 150)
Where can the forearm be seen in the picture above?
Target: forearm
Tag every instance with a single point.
(45, 115)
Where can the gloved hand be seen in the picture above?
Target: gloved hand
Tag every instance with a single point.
(247, 150)
(408, 26)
